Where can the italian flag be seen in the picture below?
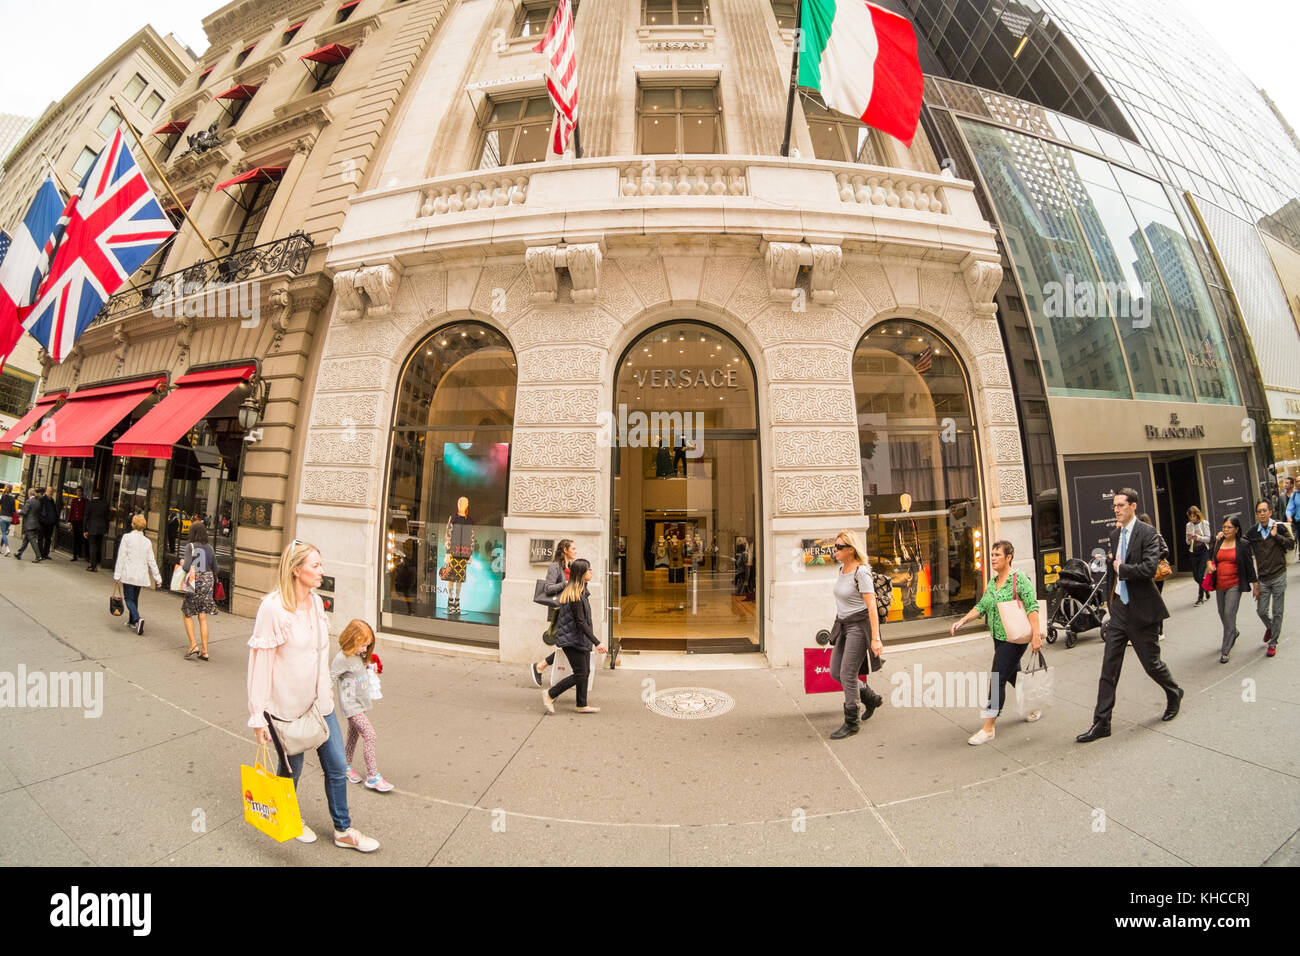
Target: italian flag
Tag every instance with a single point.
(863, 60)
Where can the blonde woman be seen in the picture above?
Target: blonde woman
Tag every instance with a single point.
(575, 636)
(134, 568)
(855, 609)
(288, 671)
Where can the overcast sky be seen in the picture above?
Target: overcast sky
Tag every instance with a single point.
(55, 52)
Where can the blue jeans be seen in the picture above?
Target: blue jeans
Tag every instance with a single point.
(335, 767)
(131, 595)
(4, 531)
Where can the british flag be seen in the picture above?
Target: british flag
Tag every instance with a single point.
(110, 226)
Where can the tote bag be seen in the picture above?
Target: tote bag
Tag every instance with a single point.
(1014, 619)
(270, 803)
(817, 676)
(1034, 685)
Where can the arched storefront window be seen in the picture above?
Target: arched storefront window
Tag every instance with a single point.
(448, 486)
(920, 470)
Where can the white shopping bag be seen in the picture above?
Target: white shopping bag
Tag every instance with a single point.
(1034, 684)
(372, 677)
(561, 669)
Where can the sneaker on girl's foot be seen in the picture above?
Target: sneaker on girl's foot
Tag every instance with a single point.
(308, 835)
(377, 782)
(981, 736)
(353, 776)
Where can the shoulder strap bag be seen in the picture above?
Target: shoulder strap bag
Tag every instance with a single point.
(308, 730)
(1015, 622)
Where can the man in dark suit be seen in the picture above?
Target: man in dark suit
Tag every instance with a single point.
(1136, 610)
(96, 528)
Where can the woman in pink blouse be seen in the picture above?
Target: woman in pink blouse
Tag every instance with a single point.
(288, 669)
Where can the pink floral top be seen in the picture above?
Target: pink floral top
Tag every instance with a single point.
(288, 666)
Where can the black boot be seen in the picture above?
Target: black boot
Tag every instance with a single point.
(850, 725)
(870, 701)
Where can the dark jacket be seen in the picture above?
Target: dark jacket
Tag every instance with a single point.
(49, 512)
(6, 505)
(573, 626)
(1145, 606)
(556, 580)
(201, 555)
(32, 510)
(1246, 574)
(1270, 552)
(96, 516)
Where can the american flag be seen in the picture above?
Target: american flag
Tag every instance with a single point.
(924, 360)
(110, 226)
(561, 75)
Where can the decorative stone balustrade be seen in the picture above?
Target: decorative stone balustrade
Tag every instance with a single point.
(654, 178)
(890, 190)
(480, 192)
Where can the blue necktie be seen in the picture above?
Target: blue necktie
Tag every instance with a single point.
(1123, 556)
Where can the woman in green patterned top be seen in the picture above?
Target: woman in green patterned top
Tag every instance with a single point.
(1006, 656)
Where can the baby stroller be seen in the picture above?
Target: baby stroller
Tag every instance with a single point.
(1081, 606)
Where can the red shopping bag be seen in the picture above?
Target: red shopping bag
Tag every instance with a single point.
(817, 677)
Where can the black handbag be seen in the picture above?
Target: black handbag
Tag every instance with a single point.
(116, 606)
(541, 597)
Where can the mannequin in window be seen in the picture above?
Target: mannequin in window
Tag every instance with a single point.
(907, 545)
(459, 544)
(676, 573)
(680, 447)
(661, 553)
(664, 467)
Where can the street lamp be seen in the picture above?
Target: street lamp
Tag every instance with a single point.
(253, 407)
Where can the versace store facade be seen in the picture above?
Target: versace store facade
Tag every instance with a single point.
(694, 357)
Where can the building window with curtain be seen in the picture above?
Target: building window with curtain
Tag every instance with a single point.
(679, 120)
(516, 131)
(920, 470)
(443, 549)
(838, 137)
(667, 13)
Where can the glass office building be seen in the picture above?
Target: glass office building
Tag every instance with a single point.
(1157, 95)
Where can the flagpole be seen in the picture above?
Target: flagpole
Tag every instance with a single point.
(794, 75)
(577, 143)
(55, 173)
(171, 192)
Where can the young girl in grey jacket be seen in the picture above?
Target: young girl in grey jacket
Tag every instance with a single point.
(352, 688)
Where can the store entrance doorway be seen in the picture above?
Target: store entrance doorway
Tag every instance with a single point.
(1177, 489)
(685, 511)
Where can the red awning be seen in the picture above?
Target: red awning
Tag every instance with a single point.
(88, 415)
(296, 26)
(196, 394)
(14, 436)
(172, 127)
(334, 53)
(262, 174)
(352, 3)
(240, 91)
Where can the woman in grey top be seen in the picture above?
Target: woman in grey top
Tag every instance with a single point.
(855, 607)
(202, 560)
(557, 576)
(1197, 535)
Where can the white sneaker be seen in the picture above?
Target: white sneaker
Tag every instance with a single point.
(981, 736)
(1034, 715)
(547, 701)
(308, 835)
(354, 839)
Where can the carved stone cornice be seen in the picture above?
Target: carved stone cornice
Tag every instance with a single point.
(278, 309)
(191, 165)
(310, 292)
(122, 342)
(349, 33)
(249, 19)
(784, 260)
(581, 259)
(367, 290)
(306, 125)
(256, 74)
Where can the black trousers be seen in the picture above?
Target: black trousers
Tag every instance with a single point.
(1006, 665)
(580, 661)
(1118, 633)
(47, 538)
(31, 536)
(78, 542)
(94, 549)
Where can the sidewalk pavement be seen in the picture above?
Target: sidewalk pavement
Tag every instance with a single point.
(484, 777)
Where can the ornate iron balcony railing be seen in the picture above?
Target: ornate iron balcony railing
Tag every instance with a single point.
(285, 255)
